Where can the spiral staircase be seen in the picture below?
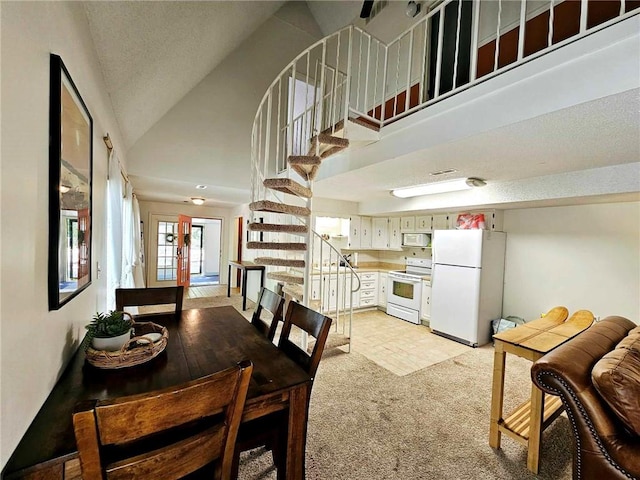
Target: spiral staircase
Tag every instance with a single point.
(340, 93)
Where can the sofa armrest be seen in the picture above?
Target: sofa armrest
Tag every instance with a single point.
(604, 447)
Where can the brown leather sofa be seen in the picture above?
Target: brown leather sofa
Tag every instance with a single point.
(606, 437)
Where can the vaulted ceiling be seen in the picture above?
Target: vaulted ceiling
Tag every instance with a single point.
(185, 79)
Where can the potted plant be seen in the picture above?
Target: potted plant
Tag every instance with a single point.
(109, 331)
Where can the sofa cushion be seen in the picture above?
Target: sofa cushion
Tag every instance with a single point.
(616, 376)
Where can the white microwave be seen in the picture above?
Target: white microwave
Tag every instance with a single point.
(415, 240)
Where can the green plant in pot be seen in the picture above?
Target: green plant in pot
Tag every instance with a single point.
(109, 331)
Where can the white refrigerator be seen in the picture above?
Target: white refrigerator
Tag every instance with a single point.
(466, 284)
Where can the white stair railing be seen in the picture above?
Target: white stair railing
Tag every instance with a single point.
(352, 74)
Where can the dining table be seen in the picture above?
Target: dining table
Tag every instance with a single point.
(203, 341)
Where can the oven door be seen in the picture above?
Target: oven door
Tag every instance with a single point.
(403, 291)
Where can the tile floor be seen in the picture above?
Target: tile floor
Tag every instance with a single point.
(398, 346)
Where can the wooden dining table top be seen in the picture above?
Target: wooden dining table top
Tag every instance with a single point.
(204, 341)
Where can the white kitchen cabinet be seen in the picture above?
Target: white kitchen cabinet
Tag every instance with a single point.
(407, 224)
(380, 233)
(382, 290)
(441, 222)
(315, 287)
(425, 307)
(366, 236)
(423, 223)
(354, 232)
(368, 289)
(395, 237)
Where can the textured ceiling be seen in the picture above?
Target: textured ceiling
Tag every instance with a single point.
(153, 53)
(599, 133)
(333, 15)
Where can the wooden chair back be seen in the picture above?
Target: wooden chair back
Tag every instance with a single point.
(136, 297)
(165, 434)
(272, 303)
(312, 322)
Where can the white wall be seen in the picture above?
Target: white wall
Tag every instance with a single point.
(582, 257)
(147, 209)
(212, 246)
(36, 344)
(212, 124)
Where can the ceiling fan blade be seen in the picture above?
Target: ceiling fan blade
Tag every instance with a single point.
(366, 8)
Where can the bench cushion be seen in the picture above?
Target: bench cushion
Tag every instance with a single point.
(616, 376)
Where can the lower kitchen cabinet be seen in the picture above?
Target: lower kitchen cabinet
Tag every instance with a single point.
(368, 289)
(425, 308)
(382, 290)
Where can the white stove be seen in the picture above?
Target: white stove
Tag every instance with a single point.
(404, 289)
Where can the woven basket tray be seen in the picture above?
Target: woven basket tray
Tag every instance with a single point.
(136, 351)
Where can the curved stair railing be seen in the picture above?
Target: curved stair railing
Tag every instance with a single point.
(343, 89)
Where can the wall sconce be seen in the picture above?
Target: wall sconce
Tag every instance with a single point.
(64, 188)
(197, 200)
(412, 9)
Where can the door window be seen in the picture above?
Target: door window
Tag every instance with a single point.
(167, 261)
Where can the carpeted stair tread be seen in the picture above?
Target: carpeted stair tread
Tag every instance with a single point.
(274, 207)
(294, 291)
(305, 165)
(327, 139)
(327, 143)
(279, 262)
(277, 246)
(287, 277)
(278, 228)
(288, 185)
(359, 121)
(331, 151)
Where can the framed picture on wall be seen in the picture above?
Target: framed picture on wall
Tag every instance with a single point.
(70, 182)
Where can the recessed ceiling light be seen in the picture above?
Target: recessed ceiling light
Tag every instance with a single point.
(438, 187)
(197, 200)
(201, 187)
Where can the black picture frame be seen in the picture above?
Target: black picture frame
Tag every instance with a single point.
(70, 188)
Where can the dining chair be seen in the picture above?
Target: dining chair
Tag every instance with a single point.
(169, 433)
(273, 304)
(271, 431)
(136, 297)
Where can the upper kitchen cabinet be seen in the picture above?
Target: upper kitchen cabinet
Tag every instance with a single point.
(423, 223)
(380, 238)
(407, 224)
(354, 232)
(395, 237)
(441, 222)
(366, 236)
(360, 232)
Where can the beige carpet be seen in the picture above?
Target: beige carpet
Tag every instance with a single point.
(367, 423)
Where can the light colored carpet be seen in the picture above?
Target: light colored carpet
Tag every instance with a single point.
(366, 423)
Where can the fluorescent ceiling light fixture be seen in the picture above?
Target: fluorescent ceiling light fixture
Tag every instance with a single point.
(197, 200)
(438, 187)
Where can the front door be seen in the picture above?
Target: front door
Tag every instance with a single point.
(184, 242)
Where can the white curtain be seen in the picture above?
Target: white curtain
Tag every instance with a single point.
(132, 274)
(114, 229)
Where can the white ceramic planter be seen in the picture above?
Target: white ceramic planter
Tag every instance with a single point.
(111, 344)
